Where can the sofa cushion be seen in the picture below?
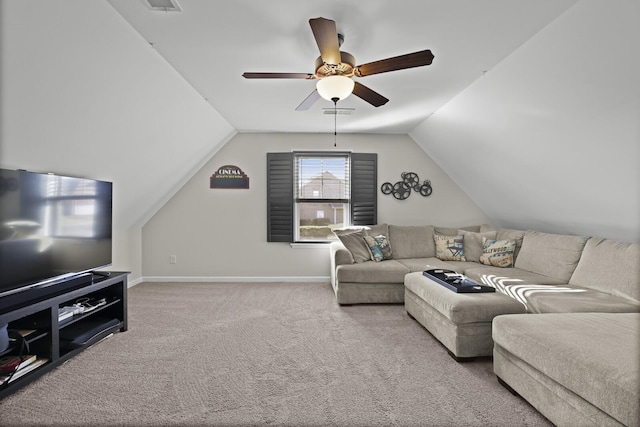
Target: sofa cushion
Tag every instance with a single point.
(353, 240)
(389, 271)
(518, 284)
(473, 243)
(451, 231)
(542, 294)
(449, 248)
(594, 355)
(553, 255)
(487, 227)
(574, 299)
(611, 267)
(499, 277)
(498, 253)
(463, 266)
(378, 247)
(412, 241)
(422, 264)
(377, 229)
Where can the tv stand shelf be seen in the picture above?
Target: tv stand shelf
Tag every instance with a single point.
(57, 341)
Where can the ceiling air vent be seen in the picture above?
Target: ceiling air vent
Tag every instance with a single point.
(163, 5)
(340, 111)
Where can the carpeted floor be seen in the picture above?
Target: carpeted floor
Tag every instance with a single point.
(265, 354)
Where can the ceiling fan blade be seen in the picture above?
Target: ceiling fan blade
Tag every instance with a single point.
(372, 97)
(308, 101)
(278, 76)
(326, 34)
(410, 60)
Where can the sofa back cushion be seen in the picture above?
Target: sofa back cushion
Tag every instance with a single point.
(412, 241)
(611, 267)
(452, 231)
(377, 230)
(552, 255)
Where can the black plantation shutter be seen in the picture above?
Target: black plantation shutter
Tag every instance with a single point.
(364, 186)
(279, 197)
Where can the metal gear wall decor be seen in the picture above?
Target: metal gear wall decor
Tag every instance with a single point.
(402, 189)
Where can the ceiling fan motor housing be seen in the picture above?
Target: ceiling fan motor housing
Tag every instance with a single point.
(344, 68)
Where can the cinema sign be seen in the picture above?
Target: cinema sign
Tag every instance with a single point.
(229, 176)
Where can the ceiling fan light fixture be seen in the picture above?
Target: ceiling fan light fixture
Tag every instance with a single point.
(335, 88)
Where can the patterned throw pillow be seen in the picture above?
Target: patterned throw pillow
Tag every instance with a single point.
(378, 247)
(449, 248)
(498, 253)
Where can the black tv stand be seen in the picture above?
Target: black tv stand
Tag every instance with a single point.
(54, 341)
(101, 273)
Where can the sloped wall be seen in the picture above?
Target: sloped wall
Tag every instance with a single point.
(550, 138)
(83, 94)
(220, 234)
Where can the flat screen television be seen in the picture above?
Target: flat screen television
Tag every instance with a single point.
(53, 229)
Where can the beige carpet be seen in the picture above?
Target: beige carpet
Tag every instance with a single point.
(265, 354)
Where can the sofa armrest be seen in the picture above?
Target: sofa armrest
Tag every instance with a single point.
(340, 255)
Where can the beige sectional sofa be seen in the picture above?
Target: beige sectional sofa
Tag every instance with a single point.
(575, 355)
(547, 275)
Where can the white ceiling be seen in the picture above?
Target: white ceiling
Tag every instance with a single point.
(211, 43)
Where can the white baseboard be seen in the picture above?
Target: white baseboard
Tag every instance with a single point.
(229, 279)
(137, 281)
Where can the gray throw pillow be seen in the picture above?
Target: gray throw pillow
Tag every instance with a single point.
(473, 243)
(354, 242)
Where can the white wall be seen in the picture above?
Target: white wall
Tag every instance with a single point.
(219, 234)
(83, 94)
(550, 138)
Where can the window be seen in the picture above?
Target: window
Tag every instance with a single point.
(310, 194)
(322, 195)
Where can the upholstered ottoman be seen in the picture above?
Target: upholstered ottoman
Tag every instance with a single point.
(461, 322)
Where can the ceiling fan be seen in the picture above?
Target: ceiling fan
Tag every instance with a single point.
(334, 68)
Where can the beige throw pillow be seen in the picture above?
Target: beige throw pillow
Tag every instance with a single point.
(449, 248)
(498, 253)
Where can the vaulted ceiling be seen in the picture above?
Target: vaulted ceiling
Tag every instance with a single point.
(211, 43)
(531, 107)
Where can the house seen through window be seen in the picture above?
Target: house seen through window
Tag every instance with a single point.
(322, 195)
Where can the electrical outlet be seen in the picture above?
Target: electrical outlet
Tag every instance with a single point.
(173, 259)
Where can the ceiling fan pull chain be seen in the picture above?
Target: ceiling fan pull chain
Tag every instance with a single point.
(335, 121)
